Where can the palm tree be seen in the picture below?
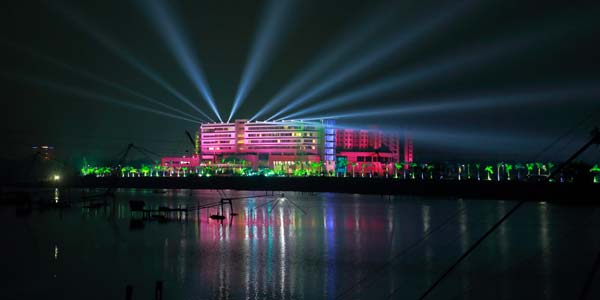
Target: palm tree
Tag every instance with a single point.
(413, 167)
(145, 170)
(595, 170)
(550, 166)
(478, 174)
(498, 166)
(490, 171)
(519, 167)
(124, 170)
(468, 171)
(508, 168)
(133, 171)
(529, 167)
(429, 168)
(398, 166)
(539, 166)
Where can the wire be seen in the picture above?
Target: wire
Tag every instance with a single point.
(564, 135)
(369, 278)
(462, 257)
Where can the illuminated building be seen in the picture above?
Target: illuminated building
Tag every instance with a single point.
(289, 146)
(44, 151)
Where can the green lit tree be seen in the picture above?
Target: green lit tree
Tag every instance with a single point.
(550, 167)
(490, 171)
(539, 167)
(498, 167)
(529, 167)
(132, 171)
(124, 170)
(429, 168)
(595, 170)
(413, 170)
(315, 167)
(508, 168)
(519, 167)
(478, 167)
(398, 166)
(106, 171)
(469, 171)
(145, 170)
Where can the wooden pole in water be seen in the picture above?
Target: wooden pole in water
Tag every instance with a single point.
(128, 292)
(158, 291)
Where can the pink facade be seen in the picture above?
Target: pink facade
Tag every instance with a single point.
(285, 145)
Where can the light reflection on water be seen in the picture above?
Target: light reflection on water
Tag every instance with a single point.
(344, 247)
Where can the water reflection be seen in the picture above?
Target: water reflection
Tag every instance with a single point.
(366, 245)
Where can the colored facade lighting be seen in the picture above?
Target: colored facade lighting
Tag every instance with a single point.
(296, 148)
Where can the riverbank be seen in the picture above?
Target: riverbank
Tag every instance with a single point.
(567, 193)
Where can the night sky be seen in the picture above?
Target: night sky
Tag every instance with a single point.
(548, 49)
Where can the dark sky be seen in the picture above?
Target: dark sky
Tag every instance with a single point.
(540, 46)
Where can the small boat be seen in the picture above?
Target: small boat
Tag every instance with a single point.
(217, 217)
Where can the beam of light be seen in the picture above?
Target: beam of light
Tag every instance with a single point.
(472, 140)
(121, 52)
(267, 40)
(79, 92)
(395, 44)
(93, 77)
(547, 96)
(336, 50)
(472, 57)
(164, 21)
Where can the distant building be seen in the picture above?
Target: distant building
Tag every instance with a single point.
(286, 146)
(46, 152)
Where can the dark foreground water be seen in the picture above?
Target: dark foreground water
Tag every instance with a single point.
(342, 247)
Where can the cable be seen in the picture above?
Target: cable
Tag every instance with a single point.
(567, 133)
(462, 257)
(404, 251)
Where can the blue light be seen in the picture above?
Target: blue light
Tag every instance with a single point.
(267, 40)
(471, 57)
(331, 55)
(122, 53)
(102, 98)
(394, 45)
(163, 20)
(547, 95)
(89, 75)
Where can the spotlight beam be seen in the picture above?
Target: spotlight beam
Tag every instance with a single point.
(101, 98)
(93, 77)
(396, 43)
(331, 55)
(123, 54)
(162, 18)
(471, 57)
(427, 71)
(460, 104)
(267, 40)
(464, 139)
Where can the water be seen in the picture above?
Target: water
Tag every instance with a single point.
(344, 247)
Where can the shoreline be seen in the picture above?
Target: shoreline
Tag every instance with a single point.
(565, 193)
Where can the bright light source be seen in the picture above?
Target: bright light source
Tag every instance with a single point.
(56, 177)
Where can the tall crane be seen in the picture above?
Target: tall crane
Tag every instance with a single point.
(191, 139)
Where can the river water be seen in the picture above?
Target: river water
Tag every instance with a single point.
(307, 246)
